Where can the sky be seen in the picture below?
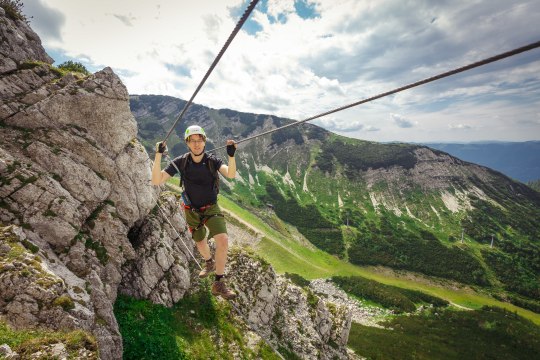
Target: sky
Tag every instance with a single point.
(297, 59)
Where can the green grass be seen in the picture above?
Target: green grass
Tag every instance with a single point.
(489, 333)
(289, 256)
(197, 327)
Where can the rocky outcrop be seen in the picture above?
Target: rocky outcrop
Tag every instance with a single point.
(293, 319)
(360, 313)
(160, 270)
(19, 43)
(74, 180)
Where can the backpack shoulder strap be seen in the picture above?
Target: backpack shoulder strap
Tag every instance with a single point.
(211, 163)
(183, 165)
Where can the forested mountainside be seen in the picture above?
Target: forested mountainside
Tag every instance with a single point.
(399, 205)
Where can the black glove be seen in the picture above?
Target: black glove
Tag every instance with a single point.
(230, 150)
(161, 147)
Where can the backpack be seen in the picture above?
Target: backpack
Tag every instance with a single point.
(209, 163)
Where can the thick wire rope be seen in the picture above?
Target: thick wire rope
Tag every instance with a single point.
(216, 60)
(409, 86)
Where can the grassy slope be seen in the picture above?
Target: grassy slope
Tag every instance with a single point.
(445, 334)
(287, 255)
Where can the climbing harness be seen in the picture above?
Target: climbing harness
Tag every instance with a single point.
(198, 210)
(216, 60)
(406, 87)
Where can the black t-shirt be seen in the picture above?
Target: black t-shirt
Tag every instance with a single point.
(198, 181)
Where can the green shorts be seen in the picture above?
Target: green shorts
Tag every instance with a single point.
(215, 224)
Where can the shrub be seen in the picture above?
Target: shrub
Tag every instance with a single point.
(297, 279)
(65, 302)
(74, 66)
(13, 9)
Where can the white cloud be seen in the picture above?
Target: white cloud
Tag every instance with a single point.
(339, 125)
(402, 122)
(47, 21)
(372, 128)
(459, 127)
(282, 7)
(295, 67)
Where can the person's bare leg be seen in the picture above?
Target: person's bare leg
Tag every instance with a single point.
(204, 249)
(209, 265)
(219, 287)
(222, 247)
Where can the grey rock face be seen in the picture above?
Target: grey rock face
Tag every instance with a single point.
(287, 315)
(159, 271)
(19, 44)
(361, 313)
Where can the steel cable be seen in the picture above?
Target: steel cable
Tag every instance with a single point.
(409, 86)
(216, 60)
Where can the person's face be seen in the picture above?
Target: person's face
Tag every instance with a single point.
(196, 143)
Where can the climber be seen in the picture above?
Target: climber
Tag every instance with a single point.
(198, 174)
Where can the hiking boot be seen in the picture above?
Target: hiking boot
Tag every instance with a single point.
(209, 267)
(219, 288)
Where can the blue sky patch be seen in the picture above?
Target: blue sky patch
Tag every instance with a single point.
(250, 26)
(60, 57)
(178, 69)
(305, 10)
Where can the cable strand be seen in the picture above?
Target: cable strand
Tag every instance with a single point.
(402, 88)
(216, 60)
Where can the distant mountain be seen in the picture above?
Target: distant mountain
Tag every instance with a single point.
(518, 160)
(404, 206)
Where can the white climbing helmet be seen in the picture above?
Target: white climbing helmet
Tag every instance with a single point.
(194, 130)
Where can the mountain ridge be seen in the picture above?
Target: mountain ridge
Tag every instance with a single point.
(518, 160)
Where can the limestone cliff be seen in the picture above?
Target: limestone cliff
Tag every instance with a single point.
(80, 221)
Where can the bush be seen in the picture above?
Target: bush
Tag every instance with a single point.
(74, 66)
(297, 279)
(65, 302)
(13, 9)
(513, 271)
